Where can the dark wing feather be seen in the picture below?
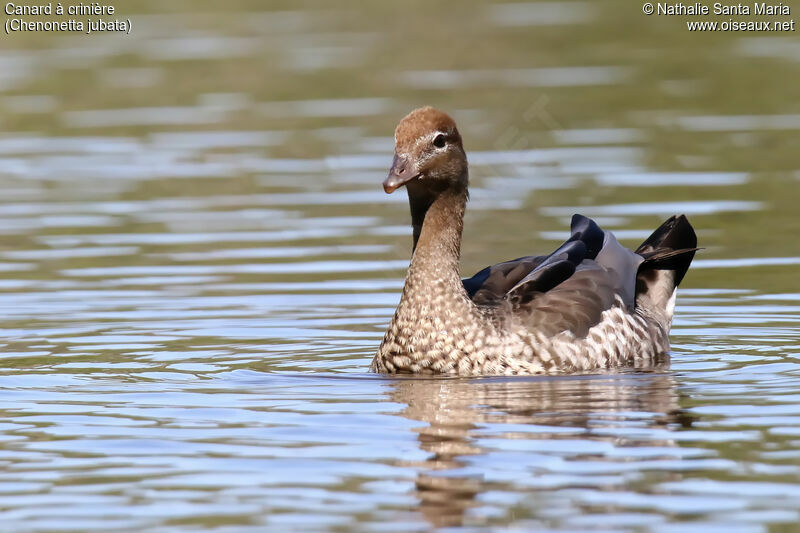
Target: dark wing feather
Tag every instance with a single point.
(667, 254)
(558, 266)
(574, 305)
(585, 229)
(491, 284)
(542, 279)
(674, 239)
(567, 290)
(494, 282)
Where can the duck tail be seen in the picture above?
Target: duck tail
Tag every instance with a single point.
(667, 254)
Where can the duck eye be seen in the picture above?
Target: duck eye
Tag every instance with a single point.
(439, 141)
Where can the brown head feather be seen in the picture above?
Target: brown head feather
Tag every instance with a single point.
(421, 122)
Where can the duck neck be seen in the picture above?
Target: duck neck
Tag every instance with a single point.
(438, 221)
(420, 200)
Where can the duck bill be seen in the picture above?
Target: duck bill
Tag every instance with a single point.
(399, 175)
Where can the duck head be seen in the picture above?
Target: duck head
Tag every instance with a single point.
(428, 153)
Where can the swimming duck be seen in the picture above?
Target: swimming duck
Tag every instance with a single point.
(591, 304)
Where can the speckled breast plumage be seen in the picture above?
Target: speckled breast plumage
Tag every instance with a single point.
(469, 341)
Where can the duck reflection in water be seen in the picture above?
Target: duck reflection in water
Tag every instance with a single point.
(474, 417)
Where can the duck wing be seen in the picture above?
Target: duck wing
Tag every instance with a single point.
(574, 305)
(537, 273)
(491, 284)
(567, 290)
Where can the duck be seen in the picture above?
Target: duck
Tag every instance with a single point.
(590, 305)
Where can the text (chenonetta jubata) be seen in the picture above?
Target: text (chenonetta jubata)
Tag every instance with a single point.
(590, 304)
